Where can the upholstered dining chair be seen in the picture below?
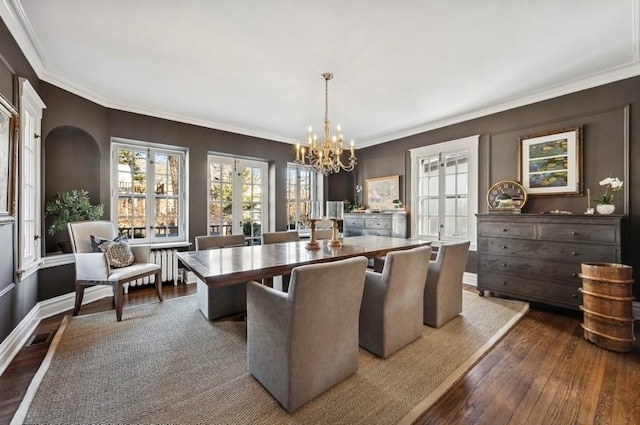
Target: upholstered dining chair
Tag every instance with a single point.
(216, 303)
(279, 237)
(392, 303)
(301, 343)
(443, 289)
(219, 241)
(97, 266)
(324, 229)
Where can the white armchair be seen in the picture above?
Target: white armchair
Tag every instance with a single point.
(94, 268)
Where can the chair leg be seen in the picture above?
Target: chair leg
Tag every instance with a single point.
(79, 295)
(159, 285)
(118, 295)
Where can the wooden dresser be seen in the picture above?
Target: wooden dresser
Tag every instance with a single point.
(537, 257)
(392, 224)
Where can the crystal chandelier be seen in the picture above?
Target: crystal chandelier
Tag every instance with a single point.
(326, 155)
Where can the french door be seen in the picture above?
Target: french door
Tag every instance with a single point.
(238, 193)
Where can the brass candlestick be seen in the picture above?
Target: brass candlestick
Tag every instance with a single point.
(313, 243)
(334, 242)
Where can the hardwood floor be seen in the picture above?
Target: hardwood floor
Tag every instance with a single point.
(542, 372)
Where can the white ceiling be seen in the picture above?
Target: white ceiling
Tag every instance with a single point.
(253, 66)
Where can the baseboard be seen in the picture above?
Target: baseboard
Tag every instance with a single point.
(21, 333)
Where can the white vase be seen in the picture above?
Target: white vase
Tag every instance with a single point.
(605, 208)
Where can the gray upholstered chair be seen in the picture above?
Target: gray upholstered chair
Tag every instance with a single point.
(279, 237)
(216, 303)
(95, 268)
(443, 290)
(324, 229)
(301, 343)
(392, 304)
(219, 241)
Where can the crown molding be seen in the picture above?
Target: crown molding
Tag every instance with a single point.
(15, 19)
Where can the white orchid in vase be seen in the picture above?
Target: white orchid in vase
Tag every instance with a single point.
(611, 184)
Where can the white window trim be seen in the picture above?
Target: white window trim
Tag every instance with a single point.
(29, 102)
(467, 143)
(117, 142)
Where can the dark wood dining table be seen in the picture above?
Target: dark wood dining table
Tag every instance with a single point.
(228, 266)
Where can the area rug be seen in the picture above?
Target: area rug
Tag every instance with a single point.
(165, 363)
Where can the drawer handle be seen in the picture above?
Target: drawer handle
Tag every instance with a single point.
(574, 253)
(504, 230)
(503, 246)
(573, 233)
(504, 282)
(504, 264)
(574, 295)
(574, 274)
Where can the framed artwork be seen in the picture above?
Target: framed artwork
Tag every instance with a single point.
(8, 138)
(550, 164)
(381, 192)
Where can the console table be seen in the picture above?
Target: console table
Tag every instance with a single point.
(537, 257)
(393, 224)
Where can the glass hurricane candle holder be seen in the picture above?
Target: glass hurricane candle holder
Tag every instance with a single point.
(335, 212)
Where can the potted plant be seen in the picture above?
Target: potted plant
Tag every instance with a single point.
(67, 207)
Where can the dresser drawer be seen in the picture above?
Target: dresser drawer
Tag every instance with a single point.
(577, 233)
(531, 289)
(378, 223)
(554, 251)
(353, 222)
(525, 267)
(506, 230)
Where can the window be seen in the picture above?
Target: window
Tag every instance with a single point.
(444, 190)
(238, 194)
(29, 207)
(302, 189)
(149, 191)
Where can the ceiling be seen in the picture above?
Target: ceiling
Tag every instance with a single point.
(254, 67)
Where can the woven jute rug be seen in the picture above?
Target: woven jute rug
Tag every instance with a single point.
(165, 363)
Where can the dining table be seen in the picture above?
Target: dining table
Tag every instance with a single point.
(237, 265)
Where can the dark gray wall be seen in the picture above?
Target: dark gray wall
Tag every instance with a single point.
(609, 116)
(602, 112)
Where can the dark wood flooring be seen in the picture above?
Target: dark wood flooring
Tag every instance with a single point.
(542, 372)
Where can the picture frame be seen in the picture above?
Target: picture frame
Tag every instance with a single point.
(381, 192)
(550, 164)
(8, 140)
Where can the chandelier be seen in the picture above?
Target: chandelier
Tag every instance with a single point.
(326, 155)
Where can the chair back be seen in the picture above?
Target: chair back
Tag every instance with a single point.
(219, 241)
(405, 274)
(443, 289)
(325, 301)
(279, 237)
(80, 233)
(451, 261)
(324, 234)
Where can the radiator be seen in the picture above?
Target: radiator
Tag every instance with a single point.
(168, 262)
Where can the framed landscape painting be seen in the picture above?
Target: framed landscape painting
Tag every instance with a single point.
(8, 128)
(381, 192)
(550, 164)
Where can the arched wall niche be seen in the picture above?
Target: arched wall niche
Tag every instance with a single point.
(71, 160)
